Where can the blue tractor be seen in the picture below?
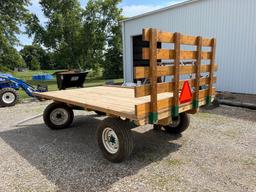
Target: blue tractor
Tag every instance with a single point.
(9, 86)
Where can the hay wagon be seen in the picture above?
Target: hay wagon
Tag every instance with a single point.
(158, 103)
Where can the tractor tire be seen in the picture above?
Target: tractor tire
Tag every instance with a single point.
(58, 116)
(100, 113)
(179, 124)
(8, 97)
(115, 139)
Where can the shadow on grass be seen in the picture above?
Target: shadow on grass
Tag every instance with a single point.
(71, 159)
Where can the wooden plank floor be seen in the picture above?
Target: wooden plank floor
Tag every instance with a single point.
(112, 100)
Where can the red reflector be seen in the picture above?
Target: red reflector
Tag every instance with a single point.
(186, 94)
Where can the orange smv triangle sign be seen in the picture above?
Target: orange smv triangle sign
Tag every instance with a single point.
(186, 94)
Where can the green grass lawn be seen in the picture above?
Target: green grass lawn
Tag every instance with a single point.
(52, 85)
(27, 75)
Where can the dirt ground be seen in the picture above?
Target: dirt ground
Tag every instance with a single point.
(217, 153)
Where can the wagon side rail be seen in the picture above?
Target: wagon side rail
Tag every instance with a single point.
(196, 49)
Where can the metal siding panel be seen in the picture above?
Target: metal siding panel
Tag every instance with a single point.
(232, 22)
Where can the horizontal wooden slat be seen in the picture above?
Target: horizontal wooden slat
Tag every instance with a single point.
(192, 40)
(163, 37)
(163, 114)
(143, 109)
(143, 72)
(144, 90)
(166, 37)
(169, 54)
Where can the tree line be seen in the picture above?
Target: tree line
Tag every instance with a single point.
(73, 37)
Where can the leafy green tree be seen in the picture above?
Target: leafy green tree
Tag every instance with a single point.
(113, 65)
(102, 30)
(88, 38)
(35, 65)
(9, 56)
(11, 59)
(13, 13)
(41, 58)
(62, 32)
(4, 69)
(93, 36)
(47, 60)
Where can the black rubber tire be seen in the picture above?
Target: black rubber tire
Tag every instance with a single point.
(122, 129)
(181, 126)
(11, 90)
(48, 111)
(157, 127)
(100, 113)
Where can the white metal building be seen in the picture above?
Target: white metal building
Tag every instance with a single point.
(231, 22)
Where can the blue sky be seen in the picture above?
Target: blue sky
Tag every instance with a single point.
(130, 8)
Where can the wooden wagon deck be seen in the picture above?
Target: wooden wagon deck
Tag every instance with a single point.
(111, 100)
(116, 101)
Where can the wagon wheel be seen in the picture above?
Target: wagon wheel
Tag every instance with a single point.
(115, 139)
(58, 116)
(179, 124)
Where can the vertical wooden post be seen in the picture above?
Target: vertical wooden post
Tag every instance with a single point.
(175, 109)
(153, 115)
(198, 74)
(209, 96)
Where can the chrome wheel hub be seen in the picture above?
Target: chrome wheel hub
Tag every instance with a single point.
(8, 97)
(110, 140)
(59, 116)
(175, 122)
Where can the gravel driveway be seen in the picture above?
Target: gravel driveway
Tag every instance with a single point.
(217, 153)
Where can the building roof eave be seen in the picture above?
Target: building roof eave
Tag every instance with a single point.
(160, 10)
